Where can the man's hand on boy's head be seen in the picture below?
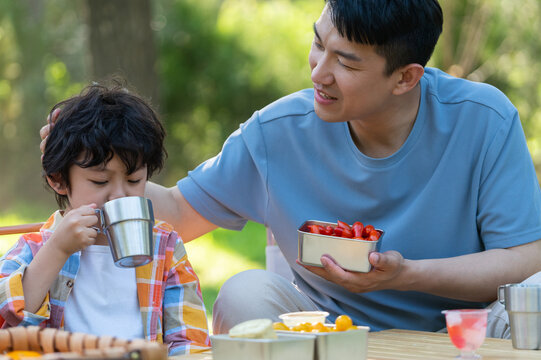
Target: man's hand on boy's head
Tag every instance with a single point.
(76, 231)
(46, 129)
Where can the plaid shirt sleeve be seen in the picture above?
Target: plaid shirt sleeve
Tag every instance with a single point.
(12, 267)
(185, 321)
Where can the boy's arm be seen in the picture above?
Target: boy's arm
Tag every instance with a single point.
(73, 233)
(13, 266)
(184, 318)
(169, 205)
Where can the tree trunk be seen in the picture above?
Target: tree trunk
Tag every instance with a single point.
(121, 43)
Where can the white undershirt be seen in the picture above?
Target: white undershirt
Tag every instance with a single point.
(103, 300)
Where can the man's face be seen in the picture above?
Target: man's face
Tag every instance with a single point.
(349, 80)
(102, 183)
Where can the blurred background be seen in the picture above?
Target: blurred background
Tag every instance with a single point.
(206, 66)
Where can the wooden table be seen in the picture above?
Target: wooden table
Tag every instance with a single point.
(420, 345)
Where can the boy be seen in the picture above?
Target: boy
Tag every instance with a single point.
(106, 144)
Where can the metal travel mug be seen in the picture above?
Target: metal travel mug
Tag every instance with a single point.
(523, 305)
(128, 223)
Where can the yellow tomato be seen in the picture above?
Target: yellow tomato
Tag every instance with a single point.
(280, 326)
(353, 327)
(343, 322)
(319, 327)
(19, 354)
(304, 327)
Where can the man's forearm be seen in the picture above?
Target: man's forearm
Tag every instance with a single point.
(473, 277)
(169, 205)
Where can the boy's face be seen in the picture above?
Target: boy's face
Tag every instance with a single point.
(103, 183)
(348, 77)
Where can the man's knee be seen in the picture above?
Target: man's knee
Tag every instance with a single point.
(242, 288)
(242, 297)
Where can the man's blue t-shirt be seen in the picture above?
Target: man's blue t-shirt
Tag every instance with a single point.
(463, 182)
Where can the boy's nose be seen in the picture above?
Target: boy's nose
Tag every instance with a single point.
(118, 192)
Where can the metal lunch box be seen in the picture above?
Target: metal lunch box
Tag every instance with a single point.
(351, 344)
(350, 254)
(285, 347)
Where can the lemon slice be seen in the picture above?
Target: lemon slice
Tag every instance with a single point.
(254, 329)
(21, 354)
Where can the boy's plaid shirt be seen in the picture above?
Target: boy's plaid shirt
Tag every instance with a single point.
(169, 294)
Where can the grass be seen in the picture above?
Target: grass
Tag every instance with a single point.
(215, 256)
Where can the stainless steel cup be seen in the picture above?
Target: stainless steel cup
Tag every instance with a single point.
(127, 223)
(523, 305)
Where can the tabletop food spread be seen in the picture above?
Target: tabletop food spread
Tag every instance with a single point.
(24, 343)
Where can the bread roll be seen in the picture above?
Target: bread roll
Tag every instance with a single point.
(46, 337)
(76, 342)
(33, 338)
(5, 341)
(90, 342)
(19, 338)
(61, 341)
(105, 341)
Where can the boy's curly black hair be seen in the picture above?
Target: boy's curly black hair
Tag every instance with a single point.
(97, 124)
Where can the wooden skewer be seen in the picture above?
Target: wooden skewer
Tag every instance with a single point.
(20, 229)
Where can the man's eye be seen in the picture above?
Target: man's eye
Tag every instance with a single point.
(318, 45)
(98, 182)
(134, 181)
(344, 65)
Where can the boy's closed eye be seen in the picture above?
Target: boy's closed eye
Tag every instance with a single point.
(103, 182)
(98, 182)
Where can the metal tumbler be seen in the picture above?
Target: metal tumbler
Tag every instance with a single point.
(128, 223)
(523, 305)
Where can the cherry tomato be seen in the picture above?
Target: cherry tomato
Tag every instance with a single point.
(343, 225)
(357, 229)
(329, 230)
(343, 322)
(347, 233)
(366, 231)
(338, 231)
(374, 235)
(314, 229)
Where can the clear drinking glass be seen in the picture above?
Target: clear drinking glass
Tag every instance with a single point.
(467, 329)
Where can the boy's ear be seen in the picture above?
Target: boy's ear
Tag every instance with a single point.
(57, 184)
(409, 77)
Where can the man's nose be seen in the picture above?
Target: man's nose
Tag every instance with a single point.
(321, 73)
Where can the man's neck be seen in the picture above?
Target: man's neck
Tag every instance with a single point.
(382, 136)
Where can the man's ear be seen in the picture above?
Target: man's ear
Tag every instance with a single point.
(409, 77)
(57, 184)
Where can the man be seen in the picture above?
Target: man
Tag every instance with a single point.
(439, 163)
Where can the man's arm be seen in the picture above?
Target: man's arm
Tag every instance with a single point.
(472, 277)
(169, 205)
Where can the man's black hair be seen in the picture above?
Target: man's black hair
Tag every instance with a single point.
(401, 31)
(100, 122)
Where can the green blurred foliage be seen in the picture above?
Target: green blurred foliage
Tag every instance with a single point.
(221, 61)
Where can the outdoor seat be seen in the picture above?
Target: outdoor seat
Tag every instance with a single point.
(20, 229)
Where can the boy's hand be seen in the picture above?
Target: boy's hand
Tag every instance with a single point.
(46, 130)
(75, 232)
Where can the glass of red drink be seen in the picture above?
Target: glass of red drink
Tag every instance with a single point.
(467, 330)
